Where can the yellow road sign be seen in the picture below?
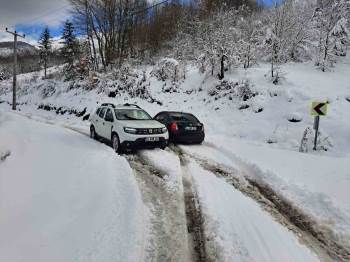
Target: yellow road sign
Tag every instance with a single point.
(319, 108)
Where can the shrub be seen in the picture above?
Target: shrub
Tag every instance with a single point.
(324, 143)
(241, 90)
(168, 69)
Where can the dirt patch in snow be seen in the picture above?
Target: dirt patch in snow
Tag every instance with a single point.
(4, 155)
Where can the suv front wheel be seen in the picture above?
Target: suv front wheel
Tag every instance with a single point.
(115, 143)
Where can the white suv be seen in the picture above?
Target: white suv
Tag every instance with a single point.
(127, 127)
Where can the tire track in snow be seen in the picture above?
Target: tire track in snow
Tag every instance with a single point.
(168, 237)
(327, 248)
(195, 223)
(192, 220)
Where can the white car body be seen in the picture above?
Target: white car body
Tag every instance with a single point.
(150, 133)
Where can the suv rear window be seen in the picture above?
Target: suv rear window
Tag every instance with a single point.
(131, 114)
(183, 117)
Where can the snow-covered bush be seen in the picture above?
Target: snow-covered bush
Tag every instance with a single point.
(168, 69)
(49, 89)
(124, 73)
(124, 80)
(4, 75)
(172, 87)
(324, 143)
(82, 67)
(294, 117)
(4, 155)
(241, 90)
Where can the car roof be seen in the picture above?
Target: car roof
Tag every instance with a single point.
(174, 112)
(124, 106)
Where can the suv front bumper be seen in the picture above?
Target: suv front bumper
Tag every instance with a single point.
(141, 143)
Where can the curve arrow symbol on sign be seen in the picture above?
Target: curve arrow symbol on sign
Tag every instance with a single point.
(318, 109)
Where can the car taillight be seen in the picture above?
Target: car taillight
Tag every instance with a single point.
(174, 128)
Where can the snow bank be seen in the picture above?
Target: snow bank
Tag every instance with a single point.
(64, 197)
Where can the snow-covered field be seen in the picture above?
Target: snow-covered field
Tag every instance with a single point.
(253, 136)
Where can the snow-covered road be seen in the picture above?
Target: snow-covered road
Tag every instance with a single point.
(235, 227)
(65, 197)
(238, 228)
(314, 188)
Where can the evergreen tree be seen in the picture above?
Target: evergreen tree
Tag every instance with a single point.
(45, 47)
(70, 49)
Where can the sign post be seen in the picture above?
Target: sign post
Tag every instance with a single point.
(316, 126)
(318, 109)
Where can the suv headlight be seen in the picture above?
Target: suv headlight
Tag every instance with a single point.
(164, 130)
(130, 130)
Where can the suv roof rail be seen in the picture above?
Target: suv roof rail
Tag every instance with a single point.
(108, 104)
(134, 105)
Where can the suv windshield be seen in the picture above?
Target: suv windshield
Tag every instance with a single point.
(131, 114)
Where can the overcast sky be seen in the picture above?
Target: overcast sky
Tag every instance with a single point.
(30, 16)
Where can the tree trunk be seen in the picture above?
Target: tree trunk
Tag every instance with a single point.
(248, 57)
(45, 66)
(222, 68)
(325, 53)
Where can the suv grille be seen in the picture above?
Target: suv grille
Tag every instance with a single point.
(149, 131)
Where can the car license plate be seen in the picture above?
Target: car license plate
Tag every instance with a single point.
(191, 128)
(152, 139)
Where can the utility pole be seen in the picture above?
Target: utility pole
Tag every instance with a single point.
(15, 35)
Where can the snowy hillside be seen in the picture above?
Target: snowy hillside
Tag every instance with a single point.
(274, 115)
(24, 49)
(251, 125)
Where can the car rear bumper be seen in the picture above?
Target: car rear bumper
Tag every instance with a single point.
(141, 143)
(188, 138)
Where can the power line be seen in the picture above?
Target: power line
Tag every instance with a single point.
(150, 7)
(45, 15)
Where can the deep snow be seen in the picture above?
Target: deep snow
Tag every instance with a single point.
(64, 197)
